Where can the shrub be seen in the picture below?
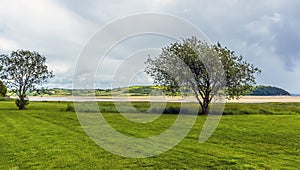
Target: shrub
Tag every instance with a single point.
(70, 108)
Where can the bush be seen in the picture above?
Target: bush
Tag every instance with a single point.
(70, 108)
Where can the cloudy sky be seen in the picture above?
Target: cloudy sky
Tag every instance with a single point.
(265, 32)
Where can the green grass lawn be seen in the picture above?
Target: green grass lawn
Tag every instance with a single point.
(45, 136)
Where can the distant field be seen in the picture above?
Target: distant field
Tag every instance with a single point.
(46, 136)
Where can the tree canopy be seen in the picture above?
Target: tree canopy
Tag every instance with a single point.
(22, 71)
(208, 70)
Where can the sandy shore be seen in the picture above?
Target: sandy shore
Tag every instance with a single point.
(264, 99)
(245, 99)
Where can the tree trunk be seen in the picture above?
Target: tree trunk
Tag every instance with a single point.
(21, 102)
(205, 107)
(204, 103)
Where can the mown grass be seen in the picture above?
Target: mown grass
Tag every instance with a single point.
(45, 136)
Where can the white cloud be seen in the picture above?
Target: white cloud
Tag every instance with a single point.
(42, 19)
(8, 45)
(262, 25)
(44, 26)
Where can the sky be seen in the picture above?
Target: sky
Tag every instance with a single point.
(265, 32)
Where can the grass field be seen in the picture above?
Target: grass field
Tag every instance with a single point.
(46, 136)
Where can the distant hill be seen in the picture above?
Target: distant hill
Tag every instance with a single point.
(268, 91)
(139, 91)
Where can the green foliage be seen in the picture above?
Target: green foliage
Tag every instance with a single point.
(239, 73)
(203, 69)
(22, 71)
(268, 91)
(3, 89)
(47, 137)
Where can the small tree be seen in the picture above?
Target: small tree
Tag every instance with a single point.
(200, 57)
(22, 71)
(3, 89)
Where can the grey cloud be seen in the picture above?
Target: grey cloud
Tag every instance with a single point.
(263, 31)
(286, 44)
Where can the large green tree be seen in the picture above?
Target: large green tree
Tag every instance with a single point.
(22, 71)
(207, 70)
